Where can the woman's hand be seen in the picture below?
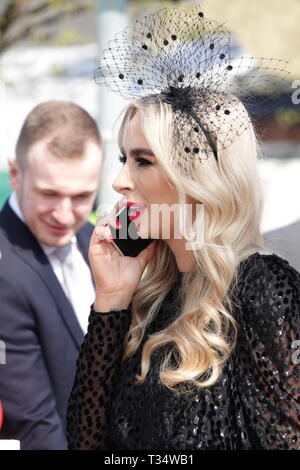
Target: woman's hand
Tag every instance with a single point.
(116, 276)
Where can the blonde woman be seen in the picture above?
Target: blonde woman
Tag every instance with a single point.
(200, 352)
(173, 361)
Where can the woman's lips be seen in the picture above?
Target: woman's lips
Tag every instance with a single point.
(135, 215)
(135, 210)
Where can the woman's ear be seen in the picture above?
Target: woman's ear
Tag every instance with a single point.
(14, 174)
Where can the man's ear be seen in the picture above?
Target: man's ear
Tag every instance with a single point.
(14, 173)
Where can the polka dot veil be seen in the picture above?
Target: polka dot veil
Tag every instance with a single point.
(181, 58)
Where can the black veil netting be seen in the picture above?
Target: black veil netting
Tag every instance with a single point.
(182, 58)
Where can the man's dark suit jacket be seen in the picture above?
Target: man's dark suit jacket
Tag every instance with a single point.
(42, 338)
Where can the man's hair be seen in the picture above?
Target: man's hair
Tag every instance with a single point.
(65, 126)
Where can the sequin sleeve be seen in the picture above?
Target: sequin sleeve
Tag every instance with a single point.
(96, 369)
(270, 364)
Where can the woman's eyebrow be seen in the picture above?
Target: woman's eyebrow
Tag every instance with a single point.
(136, 152)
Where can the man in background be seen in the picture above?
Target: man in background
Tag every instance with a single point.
(46, 287)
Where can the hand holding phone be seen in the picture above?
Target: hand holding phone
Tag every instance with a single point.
(126, 239)
(116, 275)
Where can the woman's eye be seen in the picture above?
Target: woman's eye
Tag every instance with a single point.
(122, 159)
(140, 161)
(143, 162)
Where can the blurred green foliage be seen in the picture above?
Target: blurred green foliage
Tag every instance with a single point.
(5, 189)
(93, 218)
(30, 20)
(287, 117)
(70, 36)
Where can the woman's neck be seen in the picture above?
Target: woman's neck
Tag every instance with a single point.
(185, 258)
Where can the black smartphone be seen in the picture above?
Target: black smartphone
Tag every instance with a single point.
(126, 239)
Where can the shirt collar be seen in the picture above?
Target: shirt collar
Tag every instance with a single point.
(50, 249)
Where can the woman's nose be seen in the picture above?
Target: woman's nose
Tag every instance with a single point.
(123, 181)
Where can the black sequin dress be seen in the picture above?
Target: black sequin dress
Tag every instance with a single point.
(255, 405)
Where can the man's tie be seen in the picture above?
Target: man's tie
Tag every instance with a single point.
(64, 254)
(77, 287)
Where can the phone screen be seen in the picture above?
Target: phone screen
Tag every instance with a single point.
(126, 239)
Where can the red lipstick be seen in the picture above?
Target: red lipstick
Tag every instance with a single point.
(135, 209)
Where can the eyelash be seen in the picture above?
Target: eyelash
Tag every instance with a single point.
(140, 161)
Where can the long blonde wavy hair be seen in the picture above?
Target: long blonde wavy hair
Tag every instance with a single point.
(203, 336)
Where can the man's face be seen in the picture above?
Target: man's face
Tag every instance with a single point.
(56, 195)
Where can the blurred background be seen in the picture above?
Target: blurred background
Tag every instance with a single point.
(49, 49)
